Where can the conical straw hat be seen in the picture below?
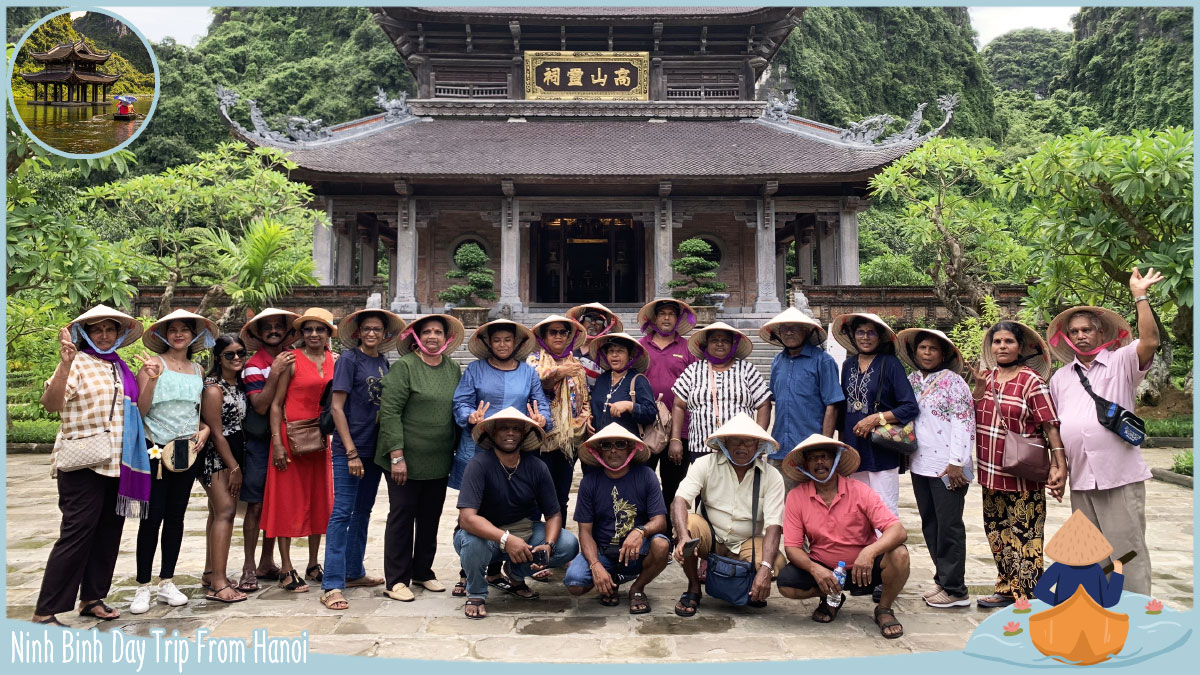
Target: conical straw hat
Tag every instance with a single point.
(841, 330)
(741, 425)
(481, 434)
(252, 336)
(687, 315)
(393, 325)
(906, 346)
(1078, 542)
(1113, 326)
(1036, 349)
(846, 465)
(641, 360)
(155, 344)
(574, 341)
(477, 345)
(613, 432)
(455, 334)
(742, 345)
(770, 331)
(104, 312)
(615, 326)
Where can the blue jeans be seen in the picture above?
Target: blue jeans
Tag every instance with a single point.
(579, 573)
(476, 553)
(346, 536)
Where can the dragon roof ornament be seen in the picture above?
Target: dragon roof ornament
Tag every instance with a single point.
(301, 132)
(866, 132)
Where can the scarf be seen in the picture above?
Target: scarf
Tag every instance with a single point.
(546, 350)
(737, 339)
(417, 341)
(570, 398)
(133, 492)
(1060, 337)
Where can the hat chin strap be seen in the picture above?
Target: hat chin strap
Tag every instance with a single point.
(837, 460)
(606, 466)
(76, 333)
(420, 345)
(1059, 337)
(762, 446)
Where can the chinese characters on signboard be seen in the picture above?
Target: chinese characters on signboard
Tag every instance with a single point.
(588, 76)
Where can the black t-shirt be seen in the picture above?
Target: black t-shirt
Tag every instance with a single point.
(487, 487)
(615, 507)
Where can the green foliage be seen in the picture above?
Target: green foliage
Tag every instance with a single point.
(1173, 427)
(110, 35)
(19, 19)
(1027, 121)
(473, 268)
(314, 62)
(60, 29)
(892, 269)
(1182, 463)
(848, 63)
(29, 411)
(945, 187)
(1102, 203)
(698, 270)
(1181, 364)
(1026, 59)
(33, 431)
(1134, 65)
(968, 334)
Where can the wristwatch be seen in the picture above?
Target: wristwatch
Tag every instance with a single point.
(1141, 298)
(397, 460)
(640, 528)
(504, 539)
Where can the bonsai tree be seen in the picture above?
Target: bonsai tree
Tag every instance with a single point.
(472, 265)
(699, 272)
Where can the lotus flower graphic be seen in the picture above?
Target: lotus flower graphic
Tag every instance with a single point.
(1013, 628)
(155, 452)
(1021, 606)
(1154, 607)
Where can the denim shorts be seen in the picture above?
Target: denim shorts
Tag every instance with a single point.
(579, 573)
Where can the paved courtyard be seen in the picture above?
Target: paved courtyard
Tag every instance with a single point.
(516, 630)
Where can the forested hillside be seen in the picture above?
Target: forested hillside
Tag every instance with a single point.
(110, 34)
(1027, 59)
(60, 29)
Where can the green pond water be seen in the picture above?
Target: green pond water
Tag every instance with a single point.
(81, 129)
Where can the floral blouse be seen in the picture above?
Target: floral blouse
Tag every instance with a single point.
(946, 426)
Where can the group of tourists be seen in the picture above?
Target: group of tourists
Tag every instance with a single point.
(791, 480)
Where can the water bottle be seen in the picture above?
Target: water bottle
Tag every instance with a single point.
(834, 600)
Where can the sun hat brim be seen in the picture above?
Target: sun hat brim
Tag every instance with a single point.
(456, 334)
(1035, 348)
(687, 315)
(250, 332)
(156, 344)
(744, 346)
(906, 344)
(534, 435)
(526, 343)
(348, 326)
(578, 333)
(1113, 325)
(740, 425)
(614, 432)
(577, 313)
(770, 330)
(843, 338)
(847, 464)
(106, 313)
(313, 314)
(596, 348)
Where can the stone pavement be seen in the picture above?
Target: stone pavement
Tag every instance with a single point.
(516, 630)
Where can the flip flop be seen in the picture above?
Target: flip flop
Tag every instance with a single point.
(248, 583)
(215, 595)
(273, 574)
(511, 586)
(690, 602)
(86, 611)
(478, 603)
(52, 621)
(364, 581)
(610, 600)
(460, 589)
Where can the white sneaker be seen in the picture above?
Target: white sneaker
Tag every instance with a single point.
(141, 601)
(169, 594)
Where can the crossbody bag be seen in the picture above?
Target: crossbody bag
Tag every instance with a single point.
(730, 579)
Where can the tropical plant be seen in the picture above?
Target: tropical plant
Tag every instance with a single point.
(698, 270)
(472, 267)
(968, 334)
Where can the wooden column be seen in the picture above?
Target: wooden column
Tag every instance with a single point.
(369, 241)
(346, 240)
(323, 245)
(827, 241)
(848, 241)
(510, 252)
(404, 266)
(663, 245)
(767, 300)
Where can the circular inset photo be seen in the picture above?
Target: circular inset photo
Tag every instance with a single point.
(84, 83)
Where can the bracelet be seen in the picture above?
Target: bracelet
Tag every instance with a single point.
(766, 564)
(882, 420)
(676, 439)
(504, 539)
(1141, 298)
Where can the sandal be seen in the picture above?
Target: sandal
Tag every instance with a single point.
(205, 581)
(333, 599)
(365, 580)
(996, 600)
(292, 582)
(248, 583)
(611, 600)
(638, 602)
(826, 613)
(51, 621)
(460, 589)
(87, 613)
(480, 608)
(216, 595)
(318, 576)
(688, 603)
(273, 574)
(511, 586)
(885, 625)
(542, 575)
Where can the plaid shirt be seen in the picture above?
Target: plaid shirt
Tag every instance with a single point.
(89, 393)
(1026, 405)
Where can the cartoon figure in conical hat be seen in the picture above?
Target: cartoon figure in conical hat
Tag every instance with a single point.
(1078, 549)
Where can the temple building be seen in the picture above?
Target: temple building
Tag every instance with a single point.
(578, 146)
(70, 76)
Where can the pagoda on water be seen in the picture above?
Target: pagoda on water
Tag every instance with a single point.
(70, 76)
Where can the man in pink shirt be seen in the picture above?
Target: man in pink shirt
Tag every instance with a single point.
(1107, 474)
(829, 519)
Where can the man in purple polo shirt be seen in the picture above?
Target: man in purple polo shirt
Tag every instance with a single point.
(1107, 474)
(665, 321)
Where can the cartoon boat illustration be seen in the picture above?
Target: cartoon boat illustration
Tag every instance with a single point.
(1079, 631)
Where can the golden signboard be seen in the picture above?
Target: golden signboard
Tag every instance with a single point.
(587, 76)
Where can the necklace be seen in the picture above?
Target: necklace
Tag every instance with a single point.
(612, 387)
(513, 471)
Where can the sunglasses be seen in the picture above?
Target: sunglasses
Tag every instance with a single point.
(554, 332)
(232, 356)
(865, 333)
(614, 445)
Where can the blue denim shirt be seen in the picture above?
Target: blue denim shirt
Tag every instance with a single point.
(802, 386)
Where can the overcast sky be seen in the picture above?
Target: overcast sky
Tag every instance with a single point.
(188, 24)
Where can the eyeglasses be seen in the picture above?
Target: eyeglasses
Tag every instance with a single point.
(231, 356)
(865, 333)
(614, 445)
(370, 329)
(791, 328)
(554, 332)
(594, 318)
(309, 330)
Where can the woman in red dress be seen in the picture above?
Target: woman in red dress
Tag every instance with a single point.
(299, 492)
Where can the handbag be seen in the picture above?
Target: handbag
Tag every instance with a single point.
(326, 416)
(181, 453)
(657, 434)
(1023, 457)
(1114, 417)
(899, 438)
(305, 436)
(89, 451)
(730, 579)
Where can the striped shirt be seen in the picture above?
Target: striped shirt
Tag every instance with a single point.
(91, 384)
(1026, 406)
(740, 389)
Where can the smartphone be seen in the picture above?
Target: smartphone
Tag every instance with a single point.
(180, 449)
(689, 547)
(541, 557)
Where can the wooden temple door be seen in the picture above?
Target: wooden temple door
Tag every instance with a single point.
(583, 259)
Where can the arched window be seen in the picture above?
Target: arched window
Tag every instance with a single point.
(717, 252)
(463, 241)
